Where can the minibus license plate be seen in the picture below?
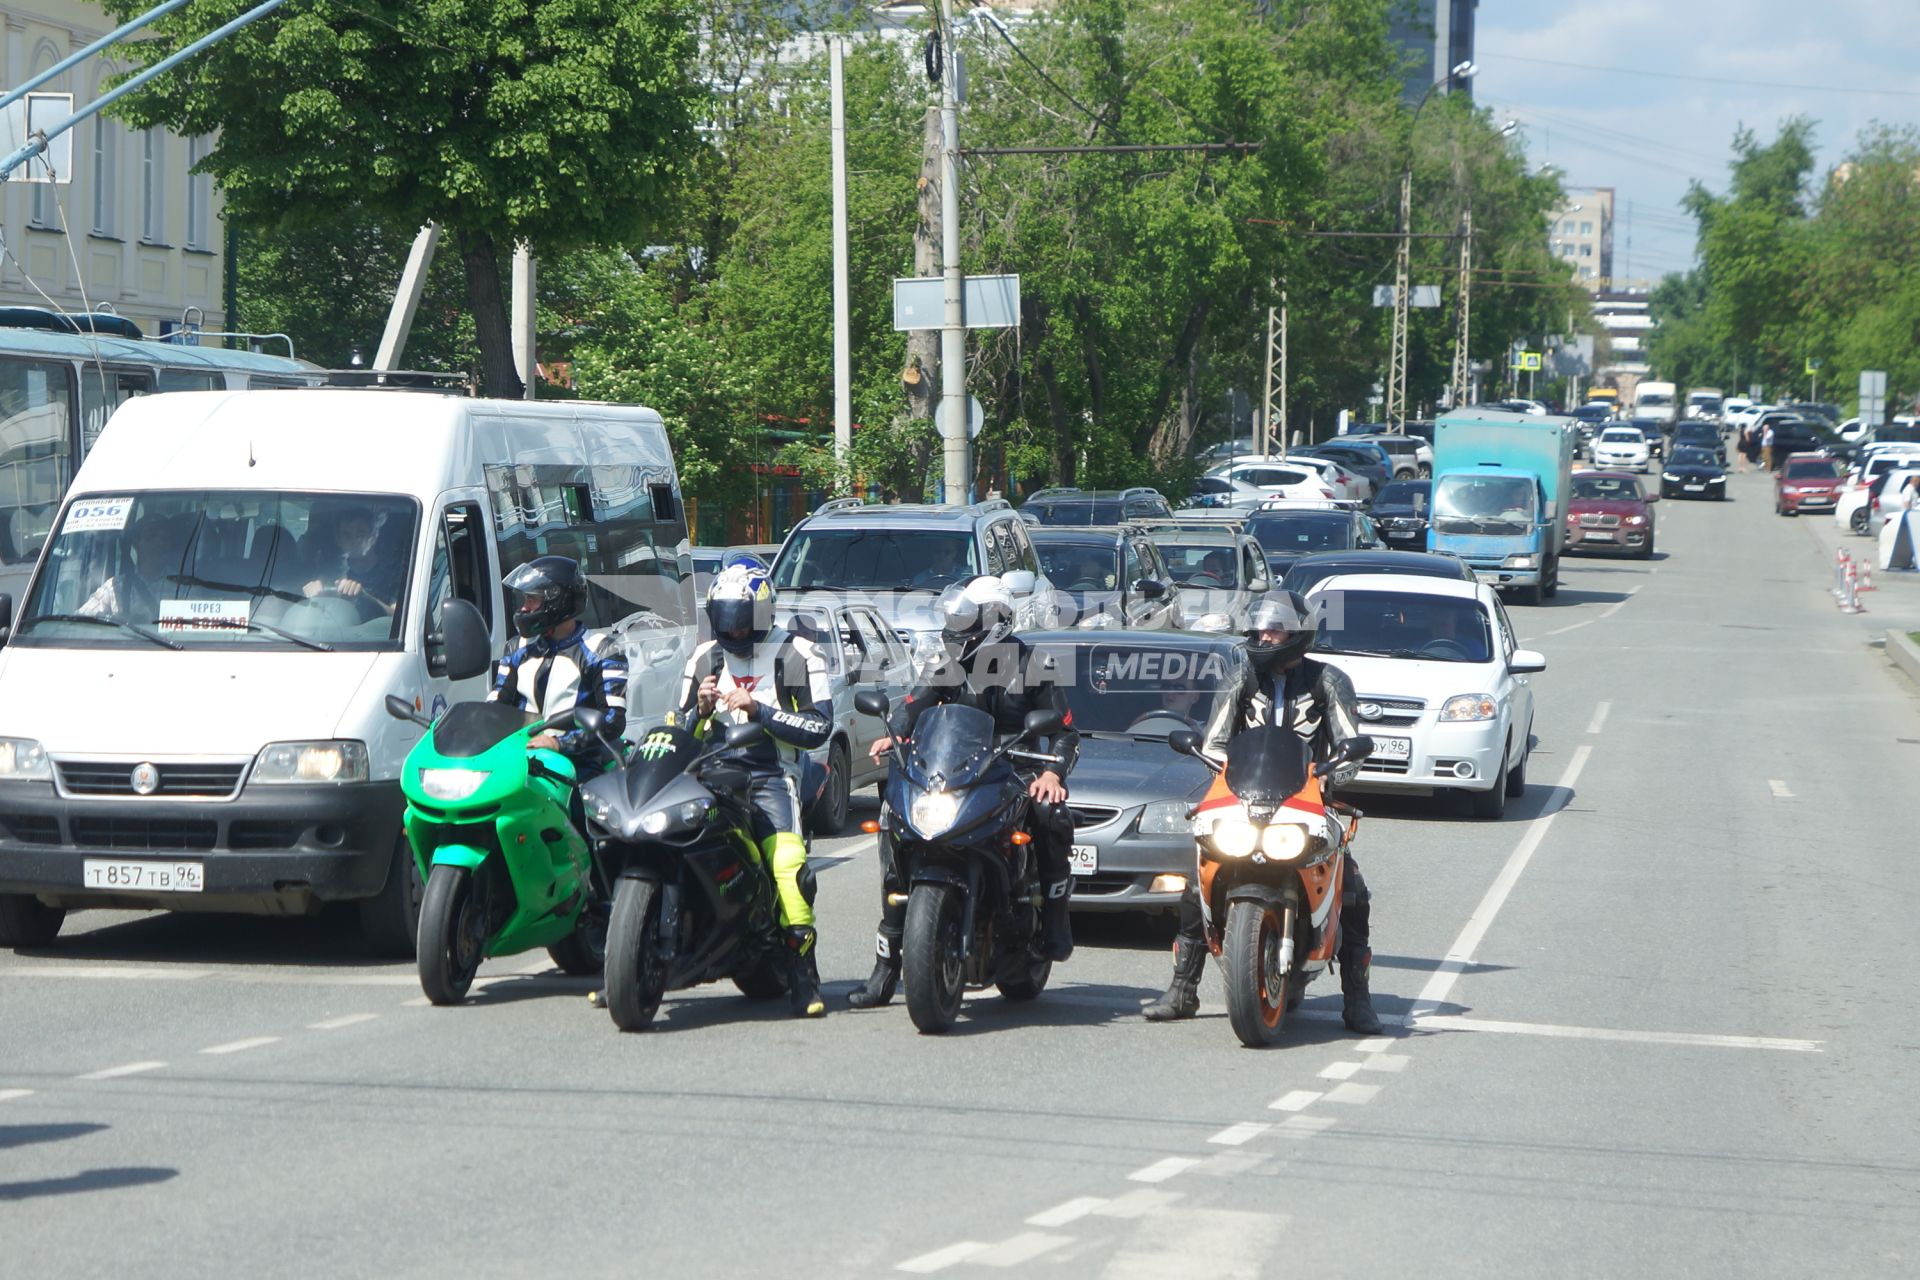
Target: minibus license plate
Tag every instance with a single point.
(1086, 859)
(147, 877)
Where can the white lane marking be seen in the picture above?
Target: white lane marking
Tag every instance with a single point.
(1232, 1164)
(1385, 1062)
(1374, 1045)
(1239, 1134)
(128, 1069)
(1339, 1071)
(1779, 789)
(1305, 1126)
(941, 1259)
(1161, 1170)
(1296, 1100)
(1061, 1214)
(241, 1046)
(1353, 1094)
(1572, 626)
(1019, 1249)
(1460, 954)
(418, 1002)
(344, 1020)
(1138, 1204)
(103, 971)
(8, 1095)
(1451, 1022)
(1599, 717)
(1618, 605)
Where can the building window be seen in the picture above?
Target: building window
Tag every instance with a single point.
(1586, 251)
(199, 196)
(1566, 228)
(40, 209)
(106, 156)
(153, 187)
(1586, 228)
(1566, 250)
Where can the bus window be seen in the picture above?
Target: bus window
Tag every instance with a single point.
(174, 380)
(103, 391)
(36, 460)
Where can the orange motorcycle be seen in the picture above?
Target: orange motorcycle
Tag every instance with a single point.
(1272, 861)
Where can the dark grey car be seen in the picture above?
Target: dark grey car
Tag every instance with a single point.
(1132, 840)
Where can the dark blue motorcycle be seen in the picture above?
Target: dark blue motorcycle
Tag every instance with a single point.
(958, 818)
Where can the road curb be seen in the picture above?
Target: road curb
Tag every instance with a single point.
(1905, 654)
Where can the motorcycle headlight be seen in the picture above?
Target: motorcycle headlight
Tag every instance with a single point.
(599, 810)
(1234, 837)
(1283, 841)
(1165, 818)
(1470, 706)
(23, 760)
(450, 784)
(933, 812)
(656, 822)
(321, 762)
(1519, 562)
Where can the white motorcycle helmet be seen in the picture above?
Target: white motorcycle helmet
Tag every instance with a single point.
(974, 614)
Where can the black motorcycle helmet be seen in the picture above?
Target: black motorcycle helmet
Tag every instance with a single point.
(549, 592)
(740, 600)
(1285, 612)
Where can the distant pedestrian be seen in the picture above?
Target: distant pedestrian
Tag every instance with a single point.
(1740, 447)
(1766, 447)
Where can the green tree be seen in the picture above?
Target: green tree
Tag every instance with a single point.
(564, 123)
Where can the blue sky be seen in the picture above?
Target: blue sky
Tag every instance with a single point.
(1647, 135)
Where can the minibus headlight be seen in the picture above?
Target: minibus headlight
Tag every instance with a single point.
(23, 760)
(337, 761)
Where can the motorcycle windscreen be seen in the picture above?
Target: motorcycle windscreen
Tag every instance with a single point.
(951, 743)
(473, 728)
(661, 756)
(1268, 765)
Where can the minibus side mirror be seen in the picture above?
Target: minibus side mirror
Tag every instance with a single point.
(461, 648)
(6, 616)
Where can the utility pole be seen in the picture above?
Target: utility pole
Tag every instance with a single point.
(1265, 442)
(842, 339)
(1397, 352)
(1463, 320)
(958, 446)
(1285, 430)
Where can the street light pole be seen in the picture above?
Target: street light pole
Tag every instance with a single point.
(1397, 352)
(1463, 322)
(957, 446)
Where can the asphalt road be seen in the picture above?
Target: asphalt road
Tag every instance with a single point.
(1657, 1021)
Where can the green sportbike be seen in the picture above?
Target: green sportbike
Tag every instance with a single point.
(505, 868)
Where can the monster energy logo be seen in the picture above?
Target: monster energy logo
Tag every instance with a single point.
(656, 746)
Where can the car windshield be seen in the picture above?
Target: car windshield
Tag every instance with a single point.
(1605, 489)
(1811, 469)
(1694, 458)
(1077, 511)
(1079, 566)
(1653, 400)
(1696, 435)
(1301, 532)
(1308, 573)
(876, 559)
(1400, 624)
(1501, 505)
(1622, 435)
(225, 569)
(1201, 565)
(1146, 690)
(1405, 493)
(1710, 403)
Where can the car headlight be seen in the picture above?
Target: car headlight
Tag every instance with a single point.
(23, 760)
(1518, 562)
(322, 762)
(1097, 622)
(1716, 479)
(1165, 818)
(449, 784)
(933, 812)
(1668, 475)
(1284, 840)
(1234, 837)
(1470, 706)
(1636, 519)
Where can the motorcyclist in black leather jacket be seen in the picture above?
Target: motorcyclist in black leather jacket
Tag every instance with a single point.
(1283, 686)
(984, 665)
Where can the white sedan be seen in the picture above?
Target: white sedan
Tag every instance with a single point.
(1441, 684)
(1277, 478)
(1620, 448)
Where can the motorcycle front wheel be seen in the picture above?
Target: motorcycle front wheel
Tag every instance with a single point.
(1257, 992)
(584, 951)
(930, 964)
(635, 978)
(453, 935)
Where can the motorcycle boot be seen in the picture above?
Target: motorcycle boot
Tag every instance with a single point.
(1053, 836)
(803, 973)
(1357, 1002)
(885, 977)
(1182, 998)
(1056, 922)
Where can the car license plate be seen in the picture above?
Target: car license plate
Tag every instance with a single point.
(1086, 859)
(1393, 748)
(149, 877)
(1597, 535)
(1694, 488)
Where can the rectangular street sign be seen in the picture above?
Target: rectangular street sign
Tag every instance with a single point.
(1526, 361)
(986, 302)
(1873, 397)
(1419, 295)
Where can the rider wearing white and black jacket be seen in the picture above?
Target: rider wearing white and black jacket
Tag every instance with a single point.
(1284, 687)
(750, 671)
(563, 664)
(984, 665)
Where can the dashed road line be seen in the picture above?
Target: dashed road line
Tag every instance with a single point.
(1161, 1170)
(1353, 1094)
(1779, 789)
(125, 1069)
(1061, 1214)
(1239, 1134)
(940, 1259)
(1304, 1126)
(8, 1095)
(344, 1020)
(241, 1046)
(1020, 1249)
(1599, 717)
(1296, 1100)
(1339, 1070)
(1447, 1022)
(1385, 1062)
(1139, 1204)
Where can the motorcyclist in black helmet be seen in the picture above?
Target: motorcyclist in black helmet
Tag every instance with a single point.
(562, 664)
(1283, 687)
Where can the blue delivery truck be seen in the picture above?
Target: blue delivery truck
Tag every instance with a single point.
(1500, 485)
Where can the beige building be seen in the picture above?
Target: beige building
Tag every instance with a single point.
(1582, 234)
(132, 231)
